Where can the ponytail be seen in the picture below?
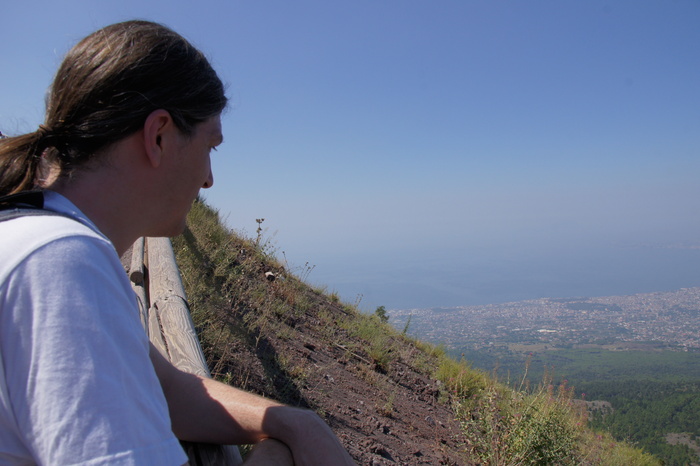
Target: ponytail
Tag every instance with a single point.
(19, 161)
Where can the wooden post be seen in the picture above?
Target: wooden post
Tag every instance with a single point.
(170, 328)
(169, 306)
(137, 274)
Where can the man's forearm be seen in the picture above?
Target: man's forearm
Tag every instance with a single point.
(204, 410)
(212, 412)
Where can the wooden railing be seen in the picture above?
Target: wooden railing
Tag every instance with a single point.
(166, 318)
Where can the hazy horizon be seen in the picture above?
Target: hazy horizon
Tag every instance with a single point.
(493, 279)
(442, 153)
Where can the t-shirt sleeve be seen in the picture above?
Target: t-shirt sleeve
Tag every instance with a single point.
(79, 378)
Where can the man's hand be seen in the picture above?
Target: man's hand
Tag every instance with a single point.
(309, 438)
(269, 451)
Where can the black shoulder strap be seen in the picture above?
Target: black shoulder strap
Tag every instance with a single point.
(24, 199)
(25, 203)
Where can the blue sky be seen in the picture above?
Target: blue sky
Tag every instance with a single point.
(435, 153)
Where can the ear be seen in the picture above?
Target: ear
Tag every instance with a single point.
(157, 127)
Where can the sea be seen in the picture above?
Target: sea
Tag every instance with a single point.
(473, 278)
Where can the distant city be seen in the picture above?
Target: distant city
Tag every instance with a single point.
(667, 320)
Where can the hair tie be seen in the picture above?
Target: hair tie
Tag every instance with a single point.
(44, 137)
(44, 133)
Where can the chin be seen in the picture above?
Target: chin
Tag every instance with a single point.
(177, 230)
(169, 231)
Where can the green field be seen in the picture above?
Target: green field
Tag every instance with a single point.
(653, 393)
(586, 364)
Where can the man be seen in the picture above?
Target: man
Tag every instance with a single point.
(133, 114)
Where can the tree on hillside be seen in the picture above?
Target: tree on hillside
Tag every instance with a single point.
(381, 313)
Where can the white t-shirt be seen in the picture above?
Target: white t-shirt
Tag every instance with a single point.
(76, 382)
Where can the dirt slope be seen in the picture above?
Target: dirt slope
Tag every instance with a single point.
(282, 339)
(397, 416)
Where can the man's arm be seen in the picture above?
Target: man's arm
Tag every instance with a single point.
(204, 410)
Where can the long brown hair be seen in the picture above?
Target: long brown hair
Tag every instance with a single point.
(103, 91)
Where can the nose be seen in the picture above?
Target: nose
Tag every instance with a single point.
(210, 181)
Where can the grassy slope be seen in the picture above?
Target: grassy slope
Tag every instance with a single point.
(390, 398)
